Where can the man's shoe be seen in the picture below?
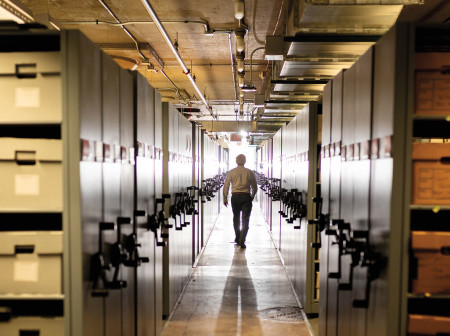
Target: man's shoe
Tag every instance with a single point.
(242, 245)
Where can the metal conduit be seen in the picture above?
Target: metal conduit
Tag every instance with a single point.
(136, 42)
(163, 32)
(176, 88)
(97, 22)
(251, 65)
(124, 28)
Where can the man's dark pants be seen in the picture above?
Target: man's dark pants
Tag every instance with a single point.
(241, 202)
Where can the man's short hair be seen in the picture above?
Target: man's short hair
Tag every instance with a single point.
(241, 159)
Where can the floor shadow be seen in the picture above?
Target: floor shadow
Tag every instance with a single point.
(239, 310)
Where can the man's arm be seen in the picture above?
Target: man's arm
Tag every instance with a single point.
(226, 187)
(253, 184)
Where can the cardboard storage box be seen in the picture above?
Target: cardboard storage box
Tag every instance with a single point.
(432, 84)
(428, 325)
(431, 173)
(31, 175)
(42, 326)
(31, 87)
(31, 262)
(432, 251)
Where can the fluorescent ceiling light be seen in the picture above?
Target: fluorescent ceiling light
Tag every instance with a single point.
(14, 10)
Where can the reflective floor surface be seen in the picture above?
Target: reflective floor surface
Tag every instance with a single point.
(232, 289)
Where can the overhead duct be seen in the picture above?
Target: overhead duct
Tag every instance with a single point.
(346, 16)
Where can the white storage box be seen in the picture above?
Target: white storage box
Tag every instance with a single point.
(30, 87)
(31, 175)
(42, 326)
(31, 262)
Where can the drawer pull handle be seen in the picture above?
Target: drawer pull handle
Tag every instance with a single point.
(24, 249)
(25, 158)
(27, 73)
(445, 70)
(445, 250)
(5, 314)
(445, 160)
(29, 332)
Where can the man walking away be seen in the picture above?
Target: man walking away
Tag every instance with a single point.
(243, 191)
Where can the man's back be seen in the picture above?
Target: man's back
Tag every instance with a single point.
(242, 179)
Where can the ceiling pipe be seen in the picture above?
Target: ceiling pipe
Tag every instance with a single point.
(144, 58)
(163, 32)
(173, 84)
(97, 22)
(251, 64)
(124, 28)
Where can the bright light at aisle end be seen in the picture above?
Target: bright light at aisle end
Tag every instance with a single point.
(237, 148)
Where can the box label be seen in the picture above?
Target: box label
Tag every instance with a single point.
(434, 183)
(28, 97)
(27, 185)
(26, 271)
(432, 94)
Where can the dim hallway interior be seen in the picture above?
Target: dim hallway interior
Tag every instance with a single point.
(232, 289)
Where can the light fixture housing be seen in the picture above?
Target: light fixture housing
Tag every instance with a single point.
(240, 41)
(240, 65)
(239, 9)
(240, 61)
(241, 79)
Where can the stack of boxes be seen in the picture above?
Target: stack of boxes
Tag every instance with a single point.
(430, 236)
(83, 160)
(31, 200)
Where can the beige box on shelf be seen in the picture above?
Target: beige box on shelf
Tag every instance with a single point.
(45, 326)
(432, 84)
(31, 175)
(428, 325)
(431, 173)
(31, 88)
(432, 251)
(31, 262)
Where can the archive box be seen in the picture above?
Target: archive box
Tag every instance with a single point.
(431, 173)
(42, 326)
(31, 88)
(432, 86)
(31, 262)
(431, 249)
(428, 325)
(31, 177)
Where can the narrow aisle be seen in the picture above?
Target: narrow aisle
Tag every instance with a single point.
(233, 291)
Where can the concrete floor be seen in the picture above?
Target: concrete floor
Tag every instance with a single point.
(230, 287)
